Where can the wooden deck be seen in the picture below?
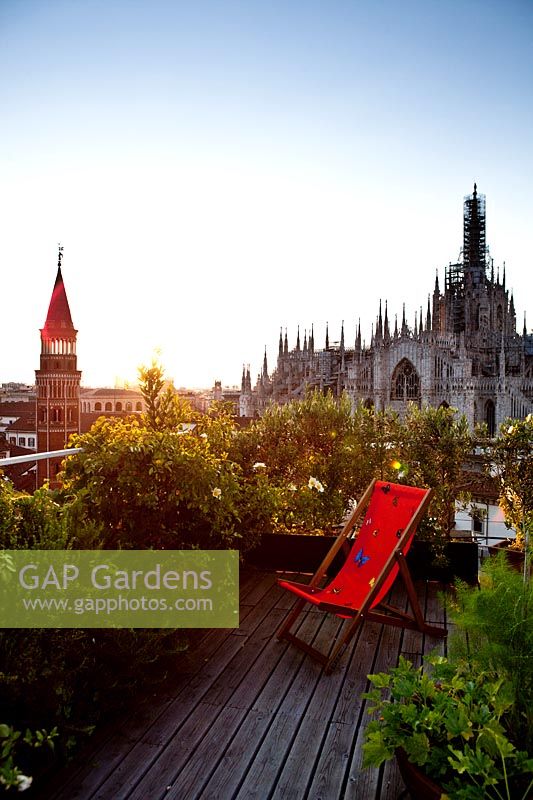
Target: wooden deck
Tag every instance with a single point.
(251, 717)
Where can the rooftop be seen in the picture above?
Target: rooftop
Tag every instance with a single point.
(247, 716)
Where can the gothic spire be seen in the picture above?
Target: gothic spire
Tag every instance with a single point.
(312, 339)
(379, 329)
(428, 317)
(358, 336)
(298, 340)
(396, 326)
(280, 349)
(286, 345)
(305, 341)
(327, 336)
(437, 290)
(265, 365)
(386, 331)
(404, 330)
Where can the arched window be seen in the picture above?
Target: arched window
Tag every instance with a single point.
(490, 417)
(97, 406)
(118, 406)
(405, 382)
(108, 407)
(138, 406)
(128, 406)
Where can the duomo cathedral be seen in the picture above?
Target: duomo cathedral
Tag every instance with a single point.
(463, 350)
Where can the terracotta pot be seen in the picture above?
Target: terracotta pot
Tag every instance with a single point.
(419, 785)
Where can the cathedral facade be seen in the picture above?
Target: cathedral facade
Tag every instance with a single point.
(463, 350)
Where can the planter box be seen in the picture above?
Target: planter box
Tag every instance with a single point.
(303, 553)
(462, 558)
(514, 557)
(293, 552)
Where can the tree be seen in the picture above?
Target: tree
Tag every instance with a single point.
(436, 444)
(165, 410)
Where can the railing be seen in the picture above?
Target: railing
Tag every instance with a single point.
(6, 462)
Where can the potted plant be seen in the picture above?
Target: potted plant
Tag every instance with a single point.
(448, 730)
(466, 721)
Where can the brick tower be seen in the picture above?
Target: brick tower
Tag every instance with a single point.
(57, 382)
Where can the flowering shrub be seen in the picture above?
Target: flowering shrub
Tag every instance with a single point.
(11, 776)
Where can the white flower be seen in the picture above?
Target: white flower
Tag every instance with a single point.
(259, 465)
(23, 783)
(203, 436)
(217, 492)
(292, 487)
(313, 483)
(510, 429)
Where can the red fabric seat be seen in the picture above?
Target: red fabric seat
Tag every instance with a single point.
(375, 558)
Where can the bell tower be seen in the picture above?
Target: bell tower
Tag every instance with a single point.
(57, 382)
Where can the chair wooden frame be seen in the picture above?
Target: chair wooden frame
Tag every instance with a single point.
(386, 614)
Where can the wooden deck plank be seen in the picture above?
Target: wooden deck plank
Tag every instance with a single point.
(269, 759)
(255, 723)
(338, 700)
(103, 754)
(254, 717)
(146, 751)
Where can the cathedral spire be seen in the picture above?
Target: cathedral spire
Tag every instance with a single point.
(379, 327)
(428, 317)
(312, 339)
(404, 330)
(416, 324)
(298, 340)
(358, 336)
(286, 345)
(327, 336)
(386, 331)
(342, 347)
(280, 349)
(396, 326)
(437, 290)
(305, 341)
(524, 331)
(265, 365)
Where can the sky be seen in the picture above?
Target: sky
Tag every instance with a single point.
(216, 171)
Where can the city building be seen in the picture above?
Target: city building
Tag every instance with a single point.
(462, 351)
(57, 382)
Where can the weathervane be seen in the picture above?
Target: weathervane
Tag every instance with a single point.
(60, 254)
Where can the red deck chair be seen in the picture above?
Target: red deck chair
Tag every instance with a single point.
(377, 555)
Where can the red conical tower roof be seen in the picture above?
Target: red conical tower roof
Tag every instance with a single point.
(58, 311)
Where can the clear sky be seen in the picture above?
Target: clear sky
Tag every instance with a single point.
(218, 170)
